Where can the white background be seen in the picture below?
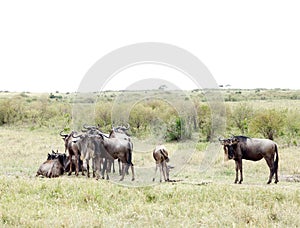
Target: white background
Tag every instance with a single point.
(47, 46)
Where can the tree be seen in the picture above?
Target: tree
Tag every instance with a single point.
(268, 122)
(241, 117)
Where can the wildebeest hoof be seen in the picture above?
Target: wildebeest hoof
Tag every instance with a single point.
(153, 179)
(132, 179)
(121, 179)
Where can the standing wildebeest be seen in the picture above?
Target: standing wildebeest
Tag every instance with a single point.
(120, 132)
(241, 147)
(90, 148)
(116, 148)
(73, 150)
(92, 131)
(160, 155)
(53, 167)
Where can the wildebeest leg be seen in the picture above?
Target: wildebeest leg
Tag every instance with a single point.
(76, 164)
(156, 167)
(132, 170)
(270, 163)
(123, 171)
(108, 170)
(236, 172)
(97, 166)
(166, 171)
(119, 163)
(101, 164)
(241, 171)
(163, 167)
(94, 167)
(113, 166)
(88, 168)
(126, 169)
(70, 160)
(160, 172)
(104, 168)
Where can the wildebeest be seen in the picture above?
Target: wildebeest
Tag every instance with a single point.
(161, 157)
(89, 147)
(120, 132)
(73, 150)
(254, 149)
(53, 167)
(116, 148)
(92, 131)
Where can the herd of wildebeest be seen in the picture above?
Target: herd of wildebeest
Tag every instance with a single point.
(91, 144)
(102, 149)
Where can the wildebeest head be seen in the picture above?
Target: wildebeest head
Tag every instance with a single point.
(121, 129)
(230, 146)
(56, 155)
(52, 156)
(91, 130)
(63, 135)
(67, 138)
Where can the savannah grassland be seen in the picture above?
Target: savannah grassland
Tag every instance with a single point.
(199, 199)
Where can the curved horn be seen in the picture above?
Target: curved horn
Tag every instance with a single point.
(63, 135)
(128, 126)
(103, 135)
(75, 136)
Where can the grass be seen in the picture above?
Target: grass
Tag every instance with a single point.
(81, 202)
(69, 201)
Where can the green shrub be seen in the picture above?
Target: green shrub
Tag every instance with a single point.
(268, 122)
(241, 116)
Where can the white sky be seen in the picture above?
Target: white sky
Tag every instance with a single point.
(49, 45)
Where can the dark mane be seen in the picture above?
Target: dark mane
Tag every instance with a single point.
(242, 138)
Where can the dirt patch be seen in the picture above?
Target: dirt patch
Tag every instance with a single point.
(291, 178)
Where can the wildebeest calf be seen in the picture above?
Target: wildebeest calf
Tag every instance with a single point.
(160, 155)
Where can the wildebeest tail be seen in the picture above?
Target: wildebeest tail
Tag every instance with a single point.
(165, 155)
(129, 158)
(276, 159)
